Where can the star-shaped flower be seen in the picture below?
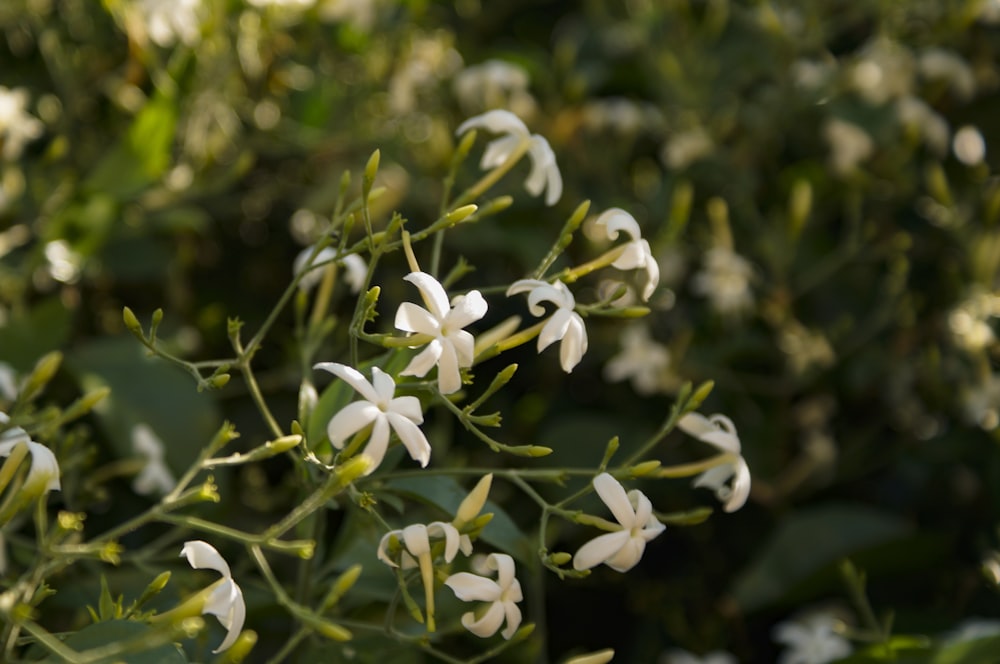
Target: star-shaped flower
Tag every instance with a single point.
(225, 601)
(380, 410)
(620, 550)
(719, 431)
(355, 267)
(636, 253)
(811, 640)
(451, 347)
(44, 472)
(564, 324)
(544, 173)
(503, 595)
(155, 476)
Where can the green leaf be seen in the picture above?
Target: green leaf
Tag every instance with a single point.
(103, 634)
(808, 541)
(984, 650)
(43, 328)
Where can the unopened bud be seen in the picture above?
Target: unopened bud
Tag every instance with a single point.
(112, 553)
(529, 450)
(498, 204)
(240, 649)
(460, 214)
(12, 463)
(352, 469)
(328, 629)
(560, 558)
(218, 381)
(371, 168)
(524, 632)
(630, 312)
(86, 403)
(131, 322)
(699, 396)
(473, 503)
(644, 468)
(598, 657)
(464, 146)
(343, 583)
(40, 376)
(70, 521)
(799, 206)
(154, 322)
(154, 588)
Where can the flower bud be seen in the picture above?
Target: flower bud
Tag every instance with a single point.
(43, 372)
(371, 168)
(112, 553)
(70, 521)
(498, 204)
(328, 629)
(352, 469)
(699, 396)
(644, 468)
(460, 214)
(340, 587)
(218, 381)
(86, 403)
(560, 558)
(12, 463)
(598, 657)
(153, 589)
(799, 206)
(131, 322)
(154, 323)
(473, 503)
(240, 649)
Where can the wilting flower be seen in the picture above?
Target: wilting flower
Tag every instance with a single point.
(620, 550)
(719, 431)
(17, 126)
(44, 472)
(155, 475)
(812, 640)
(503, 595)
(636, 253)
(564, 324)
(544, 173)
(642, 360)
(225, 601)
(380, 410)
(354, 266)
(416, 551)
(451, 347)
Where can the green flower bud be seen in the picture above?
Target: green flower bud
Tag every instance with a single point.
(131, 322)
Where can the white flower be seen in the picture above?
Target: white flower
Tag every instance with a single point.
(564, 324)
(415, 540)
(685, 148)
(226, 600)
(678, 656)
(8, 382)
(849, 145)
(620, 550)
(451, 347)
(167, 21)
(636, 253)
(155, 476)
(718, 431)
(494, 84)
(641, 359)
(725, 281)
(17, 126)
(380, 410)
(812, 640)
(544, 173)
(969, 145)
(503, 595)
(354, 265)
(44, 472)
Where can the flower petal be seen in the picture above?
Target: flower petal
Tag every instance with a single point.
(740, 487)
(449, 377)
(696, 424)
(378, 443)
(504, 565)
(357, 272)
(382, 553)
(574, 344)
(525, 285)
(554, 329)
(352, 377)
(424, 361)
(412, 437)
(513, 616)
(473, 588)
(202, 555)
(452, 540)
(466, 309)
(44, 468)
(414, 318)
(616, 220)
(464, 345)
(227, 604)
(384, 386)
(488, 624)
(351, 419)
(497, 121)
(432, 293)
(544, 171)
(498, 151)
(556, 293)
(599, 550)
(408, 407)
(628, 556)
(613, 494)
(416, 540)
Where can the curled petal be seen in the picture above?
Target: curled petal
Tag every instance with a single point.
(632, 257)
(600, 549)
(574, 344)
(643, 508)
(351, 419)
(544, 171)
(498, 151)
(652, 274)
(488, 624)
(696, 424)
(466, 309)
(226, 603)
(556, 293)
(413, 318)
(310, 280)
(202, 555)
(411, 436)
(452, 540)
(504, 565)
(524, 285)
(416, 540)
(613, 494)
(432, 293)
(497, 121)
(715, 478)
(424, 361)
(740, 489)
(513, 616)
(352, 377)
(554, 329)
(357, 272)
(378, 443)
(383, 547)
(473, 588)
(44, 468)
(616, 220)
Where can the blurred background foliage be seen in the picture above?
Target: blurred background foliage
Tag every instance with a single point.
(814, 178)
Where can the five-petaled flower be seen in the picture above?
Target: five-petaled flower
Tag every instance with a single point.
(719, 431)
(451, 347)
(636, 253)
(355, 267)
(544, 173)
(225, 600)
(620, 550)
(414, 543)
(812, 639)
(503, 595)
(44, 472)
(380, 410)
(564, 324)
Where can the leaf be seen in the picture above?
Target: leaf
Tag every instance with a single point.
(446, 494)
(115, 631)
(26, 338)
(808, 541)
(984, 650)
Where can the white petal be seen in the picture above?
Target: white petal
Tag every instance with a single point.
(383, 544)
(452, 539)
(423, 361)
(498, 151)
(352, 377)
(632, 257)
(544, 171)
(574, 344)
(488, 624)
(513, 616)
(416, 540)
(414, 318)
(313, 277)
(555, 293)
(613, 494)
(227, 604)
(504, 565)
(464, 345)
(715, 477)
(652, 274)
(472, 588)
(412, 437)
(146, 443)
(408, 407)
(432, 293)
(554, 329)
(524, 285)
(696, 424)
(616, 220)
(44, 468)
(357, 272)
(497, 121)
(154, 478)
(449, 377)
(351, 419)
(600, 549)
(740, 488)
(466, 309)
(202, 555)
(378, 443)
(628, 556)
(384, 385)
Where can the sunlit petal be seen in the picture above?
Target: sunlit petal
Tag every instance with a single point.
(202, 555)
(423, 361)
(466, 309)
(412, 437)
(352, 377)
(414, 318)
(599, 549)
(513, 616)
(432, 293)
(449, 377)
